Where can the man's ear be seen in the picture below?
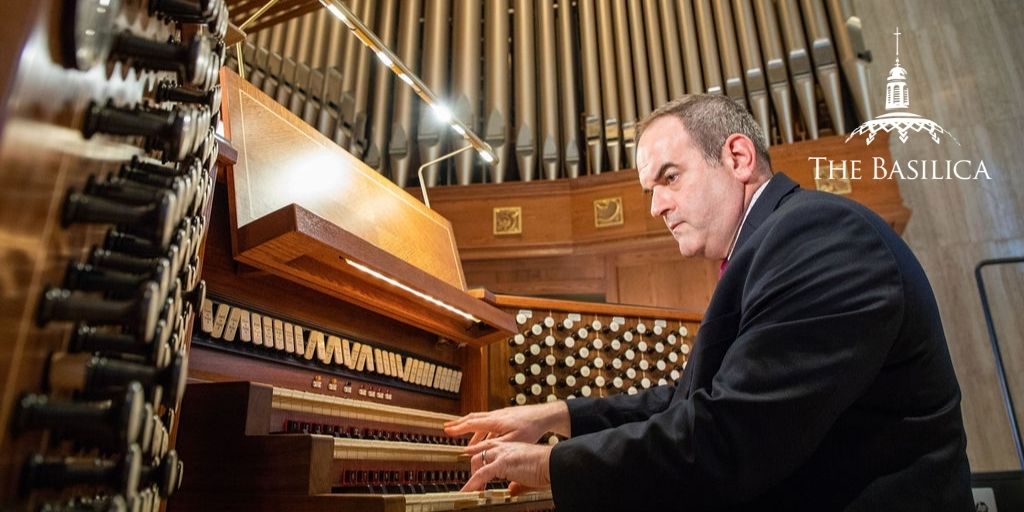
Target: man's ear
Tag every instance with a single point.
(740, 156)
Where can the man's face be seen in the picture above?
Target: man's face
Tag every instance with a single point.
(700, 203)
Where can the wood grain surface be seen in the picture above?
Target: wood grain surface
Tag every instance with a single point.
(283, 161)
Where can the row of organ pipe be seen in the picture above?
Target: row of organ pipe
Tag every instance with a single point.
(557, 86)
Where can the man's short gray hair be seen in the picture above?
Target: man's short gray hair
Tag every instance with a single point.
(710, 119)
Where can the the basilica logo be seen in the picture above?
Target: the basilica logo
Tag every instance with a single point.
(897, 116)
(835, 175)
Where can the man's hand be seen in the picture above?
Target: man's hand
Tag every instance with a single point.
(525, 465)
(523, 424)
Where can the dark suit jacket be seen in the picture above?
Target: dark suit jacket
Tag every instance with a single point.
(820, 380)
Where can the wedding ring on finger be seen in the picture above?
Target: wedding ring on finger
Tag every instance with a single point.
(483, 457)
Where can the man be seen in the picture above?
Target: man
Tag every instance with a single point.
(820, 378)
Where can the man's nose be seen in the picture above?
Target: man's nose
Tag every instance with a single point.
(659, 204)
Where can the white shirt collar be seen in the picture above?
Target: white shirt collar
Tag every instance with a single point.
(757, 194)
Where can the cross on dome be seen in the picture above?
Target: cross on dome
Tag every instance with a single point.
(897, 34)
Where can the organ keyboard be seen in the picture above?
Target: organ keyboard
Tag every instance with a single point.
(332, 452)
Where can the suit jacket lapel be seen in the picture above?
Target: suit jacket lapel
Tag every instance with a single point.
(778, 187)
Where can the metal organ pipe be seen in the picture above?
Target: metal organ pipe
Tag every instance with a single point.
(497, 98)
(400, 146)
(823, 54)
(316, 62)
(850, 45)
(380, 119)
(466, 78)
(336, 42)
(775, 64)
(627, 92)
(691, 48)
(567, 68)
(432, 132)
(548, 139)
(708, 47)
(524, 73)
(651, 27)
(673, 50)
(753, 71)
(592, 115)
(799, 63)
(610, 86)
(361, 104)
(728, 52)
(349, 78)
(318, 51)
(641, 68)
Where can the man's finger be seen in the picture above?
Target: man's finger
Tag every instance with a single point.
(479, 479)
(477, 437)
(509, 437)
(474, 449)
(516, 488)
(469, 416)
(458, 422)
(458, 428)
(476, 462)
(467, 425)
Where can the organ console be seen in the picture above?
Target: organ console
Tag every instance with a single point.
(200, 276)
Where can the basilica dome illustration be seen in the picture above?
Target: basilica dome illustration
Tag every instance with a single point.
(898, 117)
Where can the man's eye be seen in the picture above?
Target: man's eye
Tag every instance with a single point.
(671, 178)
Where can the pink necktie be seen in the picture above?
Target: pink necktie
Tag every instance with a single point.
(721, 268)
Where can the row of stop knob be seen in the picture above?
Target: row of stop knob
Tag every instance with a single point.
(660, 356)
(89, 36)
(568, 357)
(581, 329)
(596, 348)
(112, 392)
